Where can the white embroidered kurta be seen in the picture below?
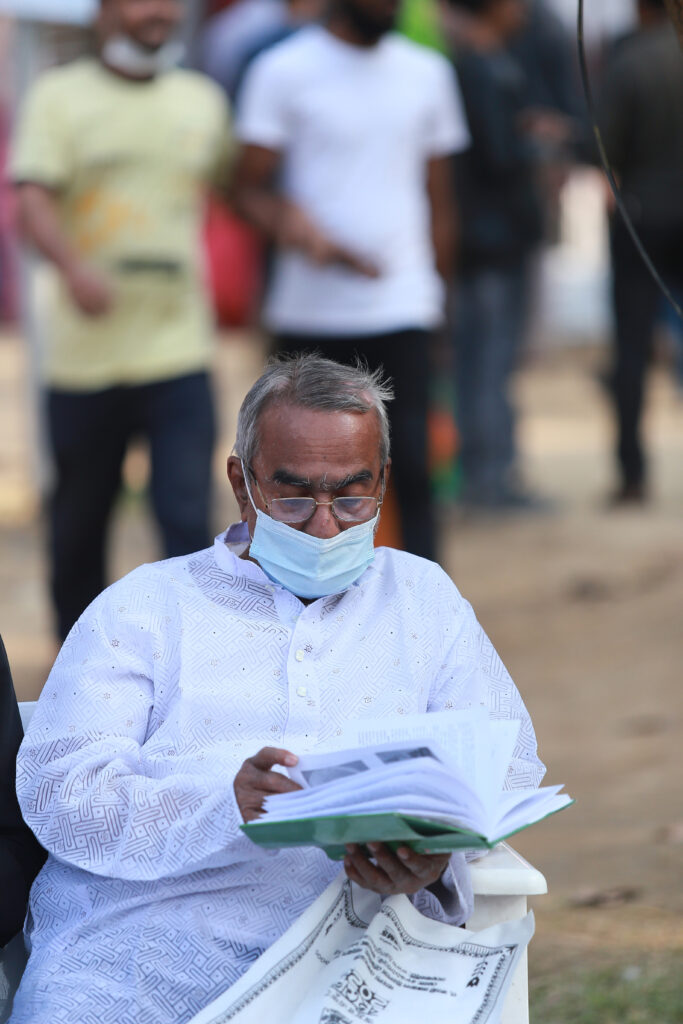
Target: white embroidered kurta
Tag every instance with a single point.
(152, 901)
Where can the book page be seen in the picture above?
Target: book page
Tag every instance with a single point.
(464, 755)
(477, 748)
(537, 805)
(413, 801)
(393, 784)
(451, 764)
(321, 769)
(457, 733)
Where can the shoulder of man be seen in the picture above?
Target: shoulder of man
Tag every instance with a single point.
(419, 573)
(75, 74)
(158, 578)
(197, 91)
(202, 84)
(417, 55)
(292, 53)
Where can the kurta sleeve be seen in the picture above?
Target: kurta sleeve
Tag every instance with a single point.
(472, 675)
(451, 899)
(86, 782)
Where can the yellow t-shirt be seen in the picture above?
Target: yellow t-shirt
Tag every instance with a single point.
(128, 163)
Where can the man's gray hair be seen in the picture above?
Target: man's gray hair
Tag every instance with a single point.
(312, 382)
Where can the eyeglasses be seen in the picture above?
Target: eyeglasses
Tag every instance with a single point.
(346, 509)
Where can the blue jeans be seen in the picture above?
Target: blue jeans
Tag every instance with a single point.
(490, 314)
(89, 433)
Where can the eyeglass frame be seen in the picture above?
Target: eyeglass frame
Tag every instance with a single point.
(268, 504)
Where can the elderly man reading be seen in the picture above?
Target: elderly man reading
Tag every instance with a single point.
(184, 686)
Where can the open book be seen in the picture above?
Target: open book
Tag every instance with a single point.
(433, 782)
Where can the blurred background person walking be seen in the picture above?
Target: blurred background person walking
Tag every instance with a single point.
(230, 35)
(641, 120)
(347, 131)
(500, 226)
(297, 13)
(111, 159)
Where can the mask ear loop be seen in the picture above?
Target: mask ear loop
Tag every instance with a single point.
(380, 500)
(245, 474)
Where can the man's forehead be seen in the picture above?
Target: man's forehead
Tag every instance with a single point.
(283, 425)
(315, 444)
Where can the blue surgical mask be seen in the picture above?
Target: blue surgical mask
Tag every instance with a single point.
(307, 566)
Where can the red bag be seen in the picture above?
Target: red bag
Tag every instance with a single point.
(234, 254)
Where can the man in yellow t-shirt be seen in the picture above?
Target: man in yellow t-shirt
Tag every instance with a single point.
(111, 161)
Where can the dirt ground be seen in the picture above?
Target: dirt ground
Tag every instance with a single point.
(584, 606)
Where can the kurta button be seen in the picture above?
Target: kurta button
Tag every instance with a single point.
(301, 691)
(299, 655)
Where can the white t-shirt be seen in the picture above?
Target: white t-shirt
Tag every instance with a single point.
(356, 127)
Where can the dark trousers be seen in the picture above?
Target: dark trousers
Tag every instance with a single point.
(89, 434)
(488, 334)
(20, 855)
(406, 359)
(637, 303)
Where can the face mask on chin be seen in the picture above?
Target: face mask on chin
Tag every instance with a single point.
(307, 566)
(123, 54)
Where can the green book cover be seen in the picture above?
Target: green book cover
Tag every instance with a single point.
(332, 832)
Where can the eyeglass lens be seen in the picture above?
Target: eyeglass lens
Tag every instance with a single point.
(347, 509)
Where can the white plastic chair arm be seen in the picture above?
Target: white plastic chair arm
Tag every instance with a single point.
(501, 881)
(504, 872)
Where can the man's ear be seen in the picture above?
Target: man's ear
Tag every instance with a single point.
(386, 473)
(236, 478)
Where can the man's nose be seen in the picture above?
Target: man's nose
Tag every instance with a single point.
(322, 523)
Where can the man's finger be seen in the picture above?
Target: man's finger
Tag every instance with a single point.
(369, 875)
(275, 782)
(268, 756)
(422, 865)
(392, 866)
(253, 780)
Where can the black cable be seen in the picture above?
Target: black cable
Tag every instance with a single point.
(585, 81)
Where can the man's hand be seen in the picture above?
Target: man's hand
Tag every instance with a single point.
(40, 220)
(297, 231)
(402, 872)
(257, 198)
(89, 289)
(254, 781)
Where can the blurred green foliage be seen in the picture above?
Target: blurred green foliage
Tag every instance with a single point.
(646, 991)
(419, 20)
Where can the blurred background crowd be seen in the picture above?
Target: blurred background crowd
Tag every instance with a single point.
(190, 187)
(297, 167)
